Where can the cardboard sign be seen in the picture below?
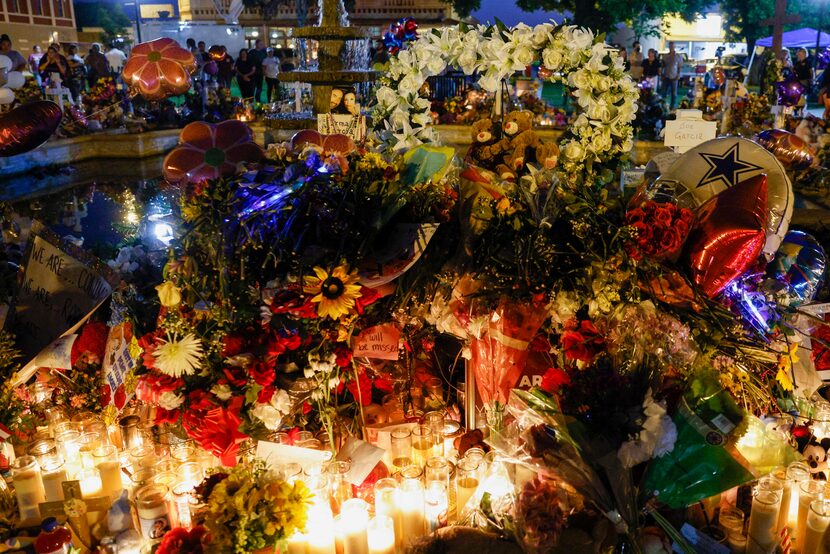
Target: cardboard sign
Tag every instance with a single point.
(57, 355)
(61, 284)
(353, 126)
(379, 342)
(689, 130)
(119, 360)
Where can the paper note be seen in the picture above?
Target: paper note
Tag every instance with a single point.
(363, 458)
(57, 355)
(685, 134)
(378, 342)
(275, 454)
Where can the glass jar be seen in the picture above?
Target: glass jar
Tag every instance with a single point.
(130, 432)
(340, 489)
(766, 501)
(423, 442)
(818, 519)
(808, 492)
(108, 466)
(28, 486)
(466, 482)
(153, 512)
(401, 448)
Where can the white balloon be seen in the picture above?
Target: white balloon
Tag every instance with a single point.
(5, 62)
(15, 80)
(6, 96)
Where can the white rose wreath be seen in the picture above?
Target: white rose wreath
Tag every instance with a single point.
(606, 96)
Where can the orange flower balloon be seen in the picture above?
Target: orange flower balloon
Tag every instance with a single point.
(210, 151)
(159, 68)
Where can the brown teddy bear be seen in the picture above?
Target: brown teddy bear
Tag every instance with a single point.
(522, 143)
(485, 150)
(547, 155)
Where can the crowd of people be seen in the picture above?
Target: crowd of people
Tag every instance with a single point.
(656, 70)
(62, 64)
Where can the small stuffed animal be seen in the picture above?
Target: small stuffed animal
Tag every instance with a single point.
(486, 147)
(815, 454)
(547, 155)
(518, 130)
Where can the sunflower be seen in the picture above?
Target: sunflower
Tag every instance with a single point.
(335, 292)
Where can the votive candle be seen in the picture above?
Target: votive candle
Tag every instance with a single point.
(809, 491)
(763, 518)
(381, 535)
(411, 504)
(818, 519)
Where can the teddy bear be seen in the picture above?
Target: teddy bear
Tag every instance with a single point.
(815, 454)
(522, 144)
(486, 147)
(547, 155)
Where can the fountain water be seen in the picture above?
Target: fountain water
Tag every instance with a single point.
(336, 62)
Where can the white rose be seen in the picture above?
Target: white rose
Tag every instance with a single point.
(435, 65)
(599, 111)
(541, 35)
(399, 118)
(524, 56)
(170, 400)
(421, 119)
(268, 415)
(490, 82)
(602, 141)
(574, 151)
(281, 402)
(411, 84)
(580, 79)
(552, 58)
(387, 97)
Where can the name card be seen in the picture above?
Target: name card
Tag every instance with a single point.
(61, 285)
(379, 342)
(689, 130)
(353, 126)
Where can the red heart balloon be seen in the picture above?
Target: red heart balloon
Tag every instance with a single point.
(27, 127)
(729, 235)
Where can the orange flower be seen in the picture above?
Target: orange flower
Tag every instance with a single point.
(159, 68)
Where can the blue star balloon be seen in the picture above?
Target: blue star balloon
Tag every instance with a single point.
(797, 271)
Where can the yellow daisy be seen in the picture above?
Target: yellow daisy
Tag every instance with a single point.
(335, 293)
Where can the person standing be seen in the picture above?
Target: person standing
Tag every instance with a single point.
(116, 59)
(672, 64)
(245, 73)
(623, 54)
(257, 55)
(271, 69)
(225, 71)
(97, 66)
(18, 62)
(651, 68)
(803, 69)
(77, 72)
(636, 61)
(34, 62)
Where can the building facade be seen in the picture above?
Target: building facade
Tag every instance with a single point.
(37, 22)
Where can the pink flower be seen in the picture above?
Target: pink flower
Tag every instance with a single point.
(159, 68)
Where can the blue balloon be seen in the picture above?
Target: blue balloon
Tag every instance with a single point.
(796, 272)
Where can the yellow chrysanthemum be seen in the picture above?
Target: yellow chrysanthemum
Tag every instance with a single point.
(335, 293)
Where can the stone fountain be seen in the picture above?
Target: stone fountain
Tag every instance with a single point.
(332, 34)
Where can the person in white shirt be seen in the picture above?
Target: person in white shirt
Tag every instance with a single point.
(271, 70)
(116, 59)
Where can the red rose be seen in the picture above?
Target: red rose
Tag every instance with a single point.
(663, 216)
(236, 376)
(361, 389)
(182, 541)
(262, 373)
(650, 207)
(635, 216)
(553, 379)
(367, 298)
(644, 233)
(166, 416)
(582, 345)
(670, 240)
(232, 345)
(682, 228)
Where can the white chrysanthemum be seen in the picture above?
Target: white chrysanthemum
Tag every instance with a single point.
(222, 392)
(169, 400)
(179, 357)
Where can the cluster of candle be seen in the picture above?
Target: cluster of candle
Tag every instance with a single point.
(159, 478)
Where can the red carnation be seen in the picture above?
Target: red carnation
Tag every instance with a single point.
(166, 416)
(232, 345)
(182, 541)
(582, 344)
(262, 373)
(236, 376)
(343, 357)
(361, 389)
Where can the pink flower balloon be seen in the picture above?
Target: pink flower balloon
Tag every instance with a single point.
(159, 68)
(210, 151)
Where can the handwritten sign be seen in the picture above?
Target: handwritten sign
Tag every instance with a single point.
(353, 126)
(687, 132)
(60, 286)
(379, 342)
(119, 360)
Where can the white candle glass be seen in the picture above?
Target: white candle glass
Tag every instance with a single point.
(809, 491)
(28, 486)
(381, 535)
(109, 468)
(797, 473)
(411, 505)
(818, 519)
(351, 528)
(763, 518)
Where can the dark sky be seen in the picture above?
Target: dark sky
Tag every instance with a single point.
(510, 14)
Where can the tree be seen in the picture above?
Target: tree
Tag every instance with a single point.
(113, 21)
(741, 17)
(604, 15)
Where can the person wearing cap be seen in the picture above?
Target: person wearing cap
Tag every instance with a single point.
(18, 61)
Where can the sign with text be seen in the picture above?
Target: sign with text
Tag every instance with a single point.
(120, 358)
(353, 126)
(379, 342)
(61, 285)
(689, 130)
